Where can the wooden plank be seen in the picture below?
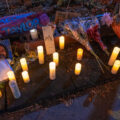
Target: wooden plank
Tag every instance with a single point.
(49, 39)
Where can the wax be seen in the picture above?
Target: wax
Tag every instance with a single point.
(56, 58)
(114, 56)
(115, 67)
(62, 42)
(40, 54)
(77, 68)
(24, 64)
(25, 77)
(52, 70)
(79, 54)
(34, 34)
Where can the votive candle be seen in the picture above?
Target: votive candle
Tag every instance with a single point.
(25, 77)
(79, 54)
(114, 55)
(34, 34)
(13, 85)
(52, 70)
(0, 93)
(11, 75)
(40, 54)
(115, 67)
(56, 58)
(62, 42)
(78, 68)
(24, 64)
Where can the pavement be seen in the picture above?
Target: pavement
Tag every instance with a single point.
(99, 108)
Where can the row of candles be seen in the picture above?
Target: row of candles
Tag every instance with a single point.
(52, 65)
(112, 61)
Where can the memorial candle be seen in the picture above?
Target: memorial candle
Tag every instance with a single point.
(25, 76)
(0, 93)
(114, 55)
(79, 54)
(40, 54)
(115, 67)
(34, 34)
(13, 85)
(77, 68)
(62, 42)
(11, 75)
(52, 70)
(56, 58)
(24, 64)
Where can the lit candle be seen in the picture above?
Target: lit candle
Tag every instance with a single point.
(62, 42)
(13, 85)
(52, 70)
(79, 54)
(40, 54)
(77, 68)
(24, 64)
(11, 75)
(25, 76)
(34, 34)
(56, 58)
(114, 55)
(115, 67)
(0, 93)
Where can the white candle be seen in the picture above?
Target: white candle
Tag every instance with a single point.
(115, 67)
(40, 54)
(114, 55)
(52, 70)
(25, 77)
(56, 58)
(34, 34)
(62, 42)
(78, 68)
(13, 85)
(11, 75)
(79, 54)
(24, 64)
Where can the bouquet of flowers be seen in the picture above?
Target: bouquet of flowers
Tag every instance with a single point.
(76, 29)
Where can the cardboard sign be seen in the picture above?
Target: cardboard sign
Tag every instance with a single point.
(5, 49)
(61, 16)
(49, 39)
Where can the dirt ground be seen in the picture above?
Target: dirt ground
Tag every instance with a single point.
(43, 93)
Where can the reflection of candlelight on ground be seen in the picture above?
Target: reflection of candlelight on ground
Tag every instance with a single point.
(77, 68)
(52, 70)
(115, 67)
(40, 54)
(114, 55)
(56, 58)
(25, 76)
(79, 54)
(24, 64)
(62, 42)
